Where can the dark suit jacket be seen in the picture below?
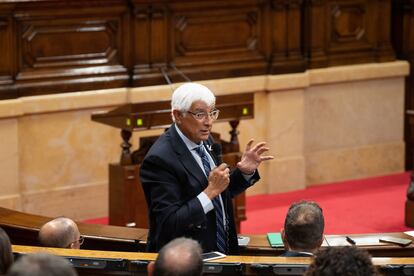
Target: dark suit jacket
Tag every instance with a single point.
(171, 180)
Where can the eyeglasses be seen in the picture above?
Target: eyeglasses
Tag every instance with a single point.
(203, 115)
(80, 241)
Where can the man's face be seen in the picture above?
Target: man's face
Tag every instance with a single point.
(196, 130)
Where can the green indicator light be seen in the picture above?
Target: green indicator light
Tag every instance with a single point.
(139, 122)
(245, 111)
(128, 121)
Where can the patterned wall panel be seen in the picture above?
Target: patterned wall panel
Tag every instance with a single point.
(54, 46)
(61, 49)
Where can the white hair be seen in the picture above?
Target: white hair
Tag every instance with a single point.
(188, 93)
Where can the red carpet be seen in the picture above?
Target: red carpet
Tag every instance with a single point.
(371, 205)
(359, 206)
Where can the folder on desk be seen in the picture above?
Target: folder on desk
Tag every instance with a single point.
(275, 239)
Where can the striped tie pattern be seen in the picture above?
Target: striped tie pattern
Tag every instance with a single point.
(221, 242)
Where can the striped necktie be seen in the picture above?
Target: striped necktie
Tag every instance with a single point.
(221, 235)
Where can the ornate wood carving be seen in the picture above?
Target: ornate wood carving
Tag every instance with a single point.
(204, 39)
(80, 46)
(347, 32)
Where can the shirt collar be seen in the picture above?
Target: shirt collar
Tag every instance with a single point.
(190, 144)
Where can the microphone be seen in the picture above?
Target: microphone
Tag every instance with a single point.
(216, 149)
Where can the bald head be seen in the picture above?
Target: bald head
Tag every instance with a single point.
(180, 257)
(60, 232)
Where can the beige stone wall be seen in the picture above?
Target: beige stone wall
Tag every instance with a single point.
(322, 125)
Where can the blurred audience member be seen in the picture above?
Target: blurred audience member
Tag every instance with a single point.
(41, 264)
(179, 257)
(342, 261)
(60, 232)
(302, 234)
(6, 254)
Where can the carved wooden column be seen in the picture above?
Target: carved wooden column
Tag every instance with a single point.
(384, 51)
(315, 33)
(286, 35)
(150, 42)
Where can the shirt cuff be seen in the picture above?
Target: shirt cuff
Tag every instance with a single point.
(205, 202)
(247, 177)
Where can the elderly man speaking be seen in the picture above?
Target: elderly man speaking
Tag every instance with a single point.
(187, 191)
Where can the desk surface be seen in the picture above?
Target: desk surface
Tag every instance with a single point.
(23, 228)
(259, 245)
(134, 256)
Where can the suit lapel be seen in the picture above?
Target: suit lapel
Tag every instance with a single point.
(186, 158)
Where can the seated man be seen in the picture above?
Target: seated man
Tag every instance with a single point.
(179, 257)
(342, 261)
(41, 264)
(60, 232)
(303, 231)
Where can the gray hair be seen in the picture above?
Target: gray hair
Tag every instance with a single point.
(304, 225)
(42, 264)
(179, 257)
(188, 93)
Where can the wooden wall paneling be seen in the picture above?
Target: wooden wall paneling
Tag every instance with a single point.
(384, 50)
(150, 43)
(124, 37)
(315, 33)
(350, 32)
(211, 39)
(357, 31)
(7, 44)
(286, 26)
(141, 42)
(69, 46)
(53, 46)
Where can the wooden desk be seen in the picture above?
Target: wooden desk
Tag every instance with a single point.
(259, 245)
(124, 263)
(23, 228)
